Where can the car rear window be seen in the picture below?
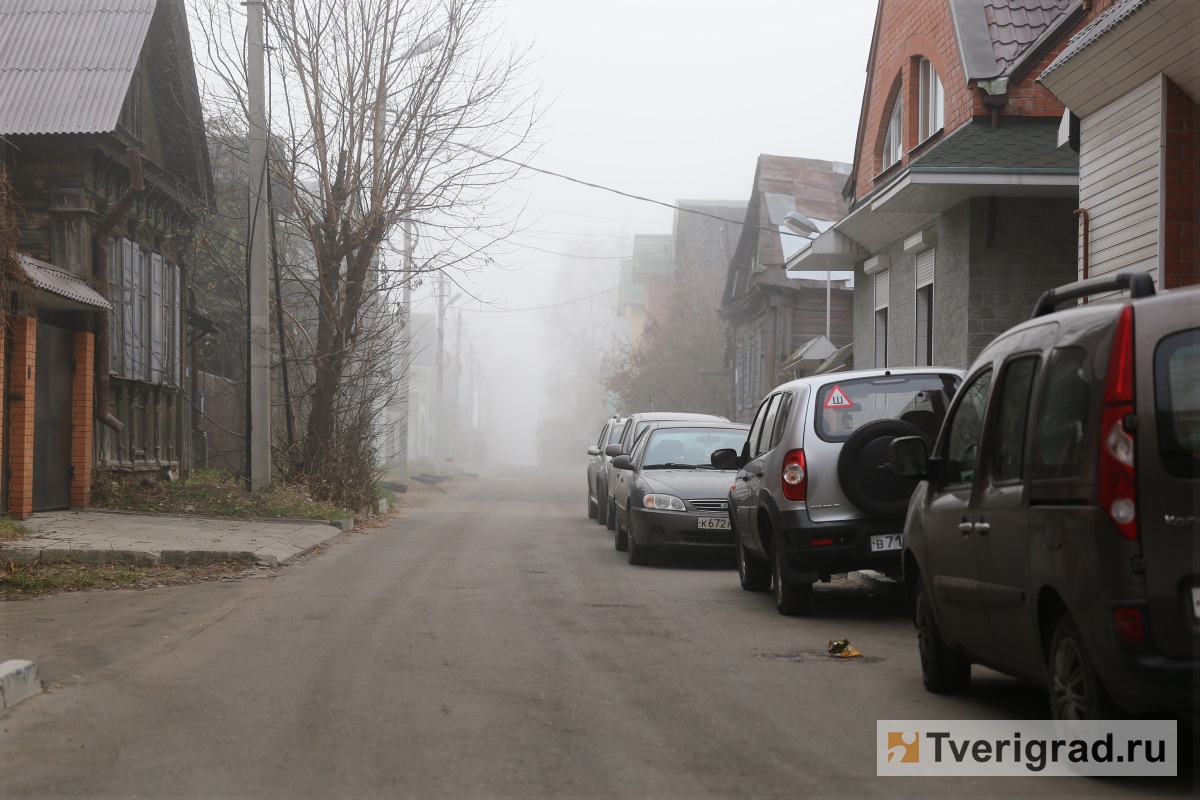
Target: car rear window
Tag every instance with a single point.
(845, 406)
(1177, 402)
(691, 447)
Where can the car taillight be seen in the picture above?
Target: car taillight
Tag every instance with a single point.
(795, 475)
(1128, 622)
(1117, 487)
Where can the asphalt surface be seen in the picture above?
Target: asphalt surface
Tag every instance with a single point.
(490, 643)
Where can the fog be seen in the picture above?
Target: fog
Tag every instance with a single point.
(662, 99)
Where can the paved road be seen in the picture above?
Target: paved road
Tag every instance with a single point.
(491, 643)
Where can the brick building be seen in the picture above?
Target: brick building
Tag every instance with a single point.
(961, 197)
(102, 140)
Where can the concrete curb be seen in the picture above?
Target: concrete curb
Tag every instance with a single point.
(18, 681)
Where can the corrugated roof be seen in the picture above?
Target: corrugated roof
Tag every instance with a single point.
(65, 65)
(61, 284)
(1017, 145)
(1101, 25)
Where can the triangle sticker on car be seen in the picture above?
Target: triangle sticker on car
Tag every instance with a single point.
(837, 399)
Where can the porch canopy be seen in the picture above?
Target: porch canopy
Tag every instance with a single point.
(58, 290)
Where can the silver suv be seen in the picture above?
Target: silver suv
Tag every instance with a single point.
(814, 494)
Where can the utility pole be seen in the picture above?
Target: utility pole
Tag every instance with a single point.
(406, 350)
(258, 344)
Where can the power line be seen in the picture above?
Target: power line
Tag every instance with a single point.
(567, 255)
(602, 188)
(539, 308)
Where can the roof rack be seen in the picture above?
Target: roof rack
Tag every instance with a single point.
(1139, 284)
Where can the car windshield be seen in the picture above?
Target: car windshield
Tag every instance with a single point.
(689, 448)
(921, 400)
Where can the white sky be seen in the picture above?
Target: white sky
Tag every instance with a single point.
(661, 98)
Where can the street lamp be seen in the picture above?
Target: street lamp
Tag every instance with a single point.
(803, 226)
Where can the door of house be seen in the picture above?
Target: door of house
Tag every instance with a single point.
(52, 419)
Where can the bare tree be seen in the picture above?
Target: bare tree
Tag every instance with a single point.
(381, 111)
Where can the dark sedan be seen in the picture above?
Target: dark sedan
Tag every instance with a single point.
(670, 496)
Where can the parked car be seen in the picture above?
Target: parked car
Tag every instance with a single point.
(668, 493)
(813, 495)
(1054, 534)
(635, 424)
(610, 433)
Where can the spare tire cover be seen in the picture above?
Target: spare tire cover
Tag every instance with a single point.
(865, 473)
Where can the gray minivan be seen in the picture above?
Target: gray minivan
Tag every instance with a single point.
(1053, 537)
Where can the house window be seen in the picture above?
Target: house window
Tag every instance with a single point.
(924, 348)
(892, 140)
(931, 101)
(144, 338)
(882, 290)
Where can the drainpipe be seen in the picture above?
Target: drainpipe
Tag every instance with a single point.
(100, 271)
(1082, 214)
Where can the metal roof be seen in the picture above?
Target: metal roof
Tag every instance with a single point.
(1109, 19)
(65, 65)
(66, 290)
(998, 37)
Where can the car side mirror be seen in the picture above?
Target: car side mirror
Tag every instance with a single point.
(725, 458)
(593, 450)
(622, 461)
(613, 450)
(909, 456)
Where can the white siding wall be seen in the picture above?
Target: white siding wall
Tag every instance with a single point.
(1120, 181)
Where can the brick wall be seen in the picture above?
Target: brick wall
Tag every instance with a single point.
(82, 404)
(1181, 232)
(22, 371)
(909, 29)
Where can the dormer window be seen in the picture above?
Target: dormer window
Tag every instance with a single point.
(892, 143)
(931, 101)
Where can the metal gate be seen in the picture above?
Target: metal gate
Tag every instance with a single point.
(52, 419)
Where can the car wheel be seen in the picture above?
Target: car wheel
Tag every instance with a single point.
(601, 505)
(593, 508)
(863, 473)
(1075, 689)
(621, 539)
(639, 554)
(610, 515)
(791, 599)
(942, 671)
(753, 573)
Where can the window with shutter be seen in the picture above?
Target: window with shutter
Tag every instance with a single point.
(157, 320)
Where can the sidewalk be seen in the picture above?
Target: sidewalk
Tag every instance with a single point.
(95, 536)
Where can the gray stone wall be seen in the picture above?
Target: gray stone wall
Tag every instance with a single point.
(992, 263)
(1032, 249)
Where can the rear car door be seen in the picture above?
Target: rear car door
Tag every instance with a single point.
(1167, 472)
(745, 484)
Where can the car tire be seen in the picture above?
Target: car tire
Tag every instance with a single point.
(610, 515)
(621, 539)
(1076, 692)
(593, 508)
(639, 554)
(753, 573)
(942, 671)
(791, 599)
(862, 472)
(601, 504)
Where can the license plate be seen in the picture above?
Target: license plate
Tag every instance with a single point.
(887, 541)
(1196, 602)
(713, 523)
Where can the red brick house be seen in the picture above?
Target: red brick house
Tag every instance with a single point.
(961, 198)
(102, 140)
(1131, 78)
